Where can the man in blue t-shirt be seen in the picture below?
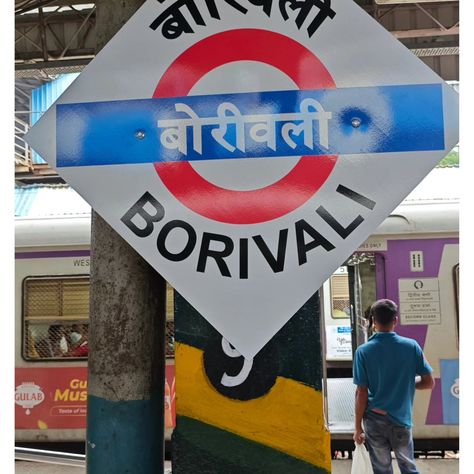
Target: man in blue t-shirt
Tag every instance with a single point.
(387, 370)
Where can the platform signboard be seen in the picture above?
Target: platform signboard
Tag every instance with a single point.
(245, 148)
(419, 301)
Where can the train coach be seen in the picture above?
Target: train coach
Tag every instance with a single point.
(412, 258)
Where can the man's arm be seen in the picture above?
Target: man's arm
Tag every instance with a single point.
(424, 371)
(361, 400)
(426, 382)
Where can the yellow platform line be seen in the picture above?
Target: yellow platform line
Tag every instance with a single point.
(289, 418)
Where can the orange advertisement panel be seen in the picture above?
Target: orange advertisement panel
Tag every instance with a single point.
(50, 398)
(56, 398)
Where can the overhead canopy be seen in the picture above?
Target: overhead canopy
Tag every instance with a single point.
(58, 36)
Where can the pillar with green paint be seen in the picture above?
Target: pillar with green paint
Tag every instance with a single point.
(259, 416)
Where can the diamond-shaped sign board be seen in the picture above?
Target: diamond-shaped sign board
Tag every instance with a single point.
(245, 148)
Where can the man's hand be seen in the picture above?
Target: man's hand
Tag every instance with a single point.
(425, 382)
(359, 436)
(361, 398)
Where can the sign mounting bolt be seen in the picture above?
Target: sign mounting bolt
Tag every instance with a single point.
(140, 134)
(356, 122)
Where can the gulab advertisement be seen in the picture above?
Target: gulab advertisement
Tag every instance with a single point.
(56, 398)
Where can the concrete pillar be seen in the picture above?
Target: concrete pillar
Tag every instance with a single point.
(127, 324)
(260, 416)
(126, 359)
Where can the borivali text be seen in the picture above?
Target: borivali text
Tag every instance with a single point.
(173, 22)
(147, 219)
(269, 132)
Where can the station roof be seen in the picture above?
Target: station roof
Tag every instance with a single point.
(49, 200)
(58, 36)
(54, 37)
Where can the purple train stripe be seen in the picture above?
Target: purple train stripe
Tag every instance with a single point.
(435, 409)
(53, 254)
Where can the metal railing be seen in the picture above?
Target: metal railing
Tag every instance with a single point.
(22, 150)
(50, 457)
(56, 457)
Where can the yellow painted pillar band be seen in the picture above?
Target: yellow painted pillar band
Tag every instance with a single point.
(289, 417)
(239, 416)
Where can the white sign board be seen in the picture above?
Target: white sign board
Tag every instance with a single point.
(245, 148)
(339, 343)
(419, 301)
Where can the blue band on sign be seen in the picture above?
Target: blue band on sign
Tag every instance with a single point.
(252, 125)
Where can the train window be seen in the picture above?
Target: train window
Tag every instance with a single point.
(340, 299)
(55, 317)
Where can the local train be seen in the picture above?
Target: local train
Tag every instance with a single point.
(412, 258)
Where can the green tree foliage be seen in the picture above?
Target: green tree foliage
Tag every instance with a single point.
(450, 160)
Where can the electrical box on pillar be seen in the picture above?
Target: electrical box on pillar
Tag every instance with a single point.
(245, 149)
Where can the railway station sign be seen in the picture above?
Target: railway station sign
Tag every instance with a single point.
(245, 148)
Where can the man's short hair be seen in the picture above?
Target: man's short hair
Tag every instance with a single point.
(384, 311)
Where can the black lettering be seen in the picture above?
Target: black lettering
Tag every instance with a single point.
(277, 264)
(188, 248)
(244, 259)
(138, 210)
(362, 200)
(173, 22)
(265, 4)
(344, 232)
(304, 9)
(303, 227)
(325, 12)
(217, 255)
(238, 7)
(211, 6)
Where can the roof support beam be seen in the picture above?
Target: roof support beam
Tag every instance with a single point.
(76, 33)
(44, 46)
(426, 32)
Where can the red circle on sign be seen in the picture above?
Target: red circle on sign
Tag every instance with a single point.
(286, 194)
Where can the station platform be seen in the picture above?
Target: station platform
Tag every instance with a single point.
(341, 393)
(426, 466)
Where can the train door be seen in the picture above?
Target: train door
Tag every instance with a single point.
(337, 324)
(362, 293)
(346, 295)
(339, 389)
